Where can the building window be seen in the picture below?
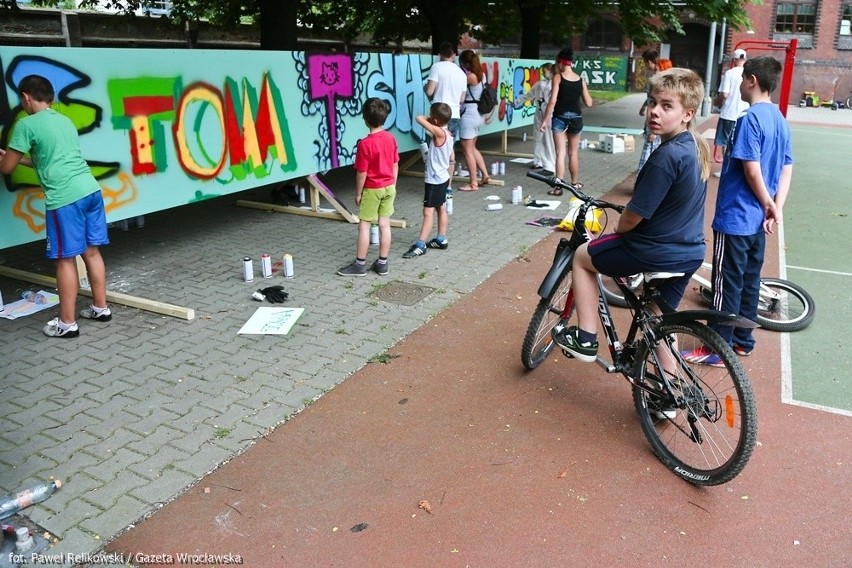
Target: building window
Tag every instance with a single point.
(603, 35)
(795, 17)
(846, 20)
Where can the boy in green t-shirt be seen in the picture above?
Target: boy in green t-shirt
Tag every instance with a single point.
(75, 219)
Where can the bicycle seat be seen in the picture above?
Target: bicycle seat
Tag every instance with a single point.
(651, 277)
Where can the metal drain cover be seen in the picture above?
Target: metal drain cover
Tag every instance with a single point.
(403, 293)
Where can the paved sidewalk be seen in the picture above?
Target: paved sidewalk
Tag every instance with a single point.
(135, 411)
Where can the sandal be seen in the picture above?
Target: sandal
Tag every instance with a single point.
(556, 191)
(469, 187)
(577, 184)
(485, 181)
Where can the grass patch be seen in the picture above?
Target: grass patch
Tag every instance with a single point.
(222, 432)
(606, 96)
(383, 358)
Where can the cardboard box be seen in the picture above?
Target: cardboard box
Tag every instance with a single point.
(629, 142)
(612, 144)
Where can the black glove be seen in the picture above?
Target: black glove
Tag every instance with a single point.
(275, 294)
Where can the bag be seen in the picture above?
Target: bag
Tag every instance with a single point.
(487, 100)
(593, 217)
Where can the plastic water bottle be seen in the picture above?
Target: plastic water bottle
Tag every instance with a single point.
(33, 297)
(11, 504)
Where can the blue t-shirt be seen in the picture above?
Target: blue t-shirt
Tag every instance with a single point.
(669, 196)
(761, 135)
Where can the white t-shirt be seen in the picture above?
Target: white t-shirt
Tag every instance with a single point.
(450, 83)
(734, 105)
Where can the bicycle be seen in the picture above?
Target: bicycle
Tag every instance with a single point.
(700, 420)
(782, 305)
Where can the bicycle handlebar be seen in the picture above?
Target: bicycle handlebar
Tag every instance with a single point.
(554, 181)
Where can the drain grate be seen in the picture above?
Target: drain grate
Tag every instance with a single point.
(403, 293)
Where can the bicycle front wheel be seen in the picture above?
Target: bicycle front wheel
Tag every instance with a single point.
(707, 432)
(538, 342)
(784, 306)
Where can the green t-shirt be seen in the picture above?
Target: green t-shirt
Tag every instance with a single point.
(51, 141)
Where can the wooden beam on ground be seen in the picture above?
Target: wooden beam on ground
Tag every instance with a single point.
(317, 188)
(460, 179)
(114, 297)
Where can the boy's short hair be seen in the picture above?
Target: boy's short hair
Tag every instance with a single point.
(375, 112)
(37, 87)
(650, 55)
(446, 50)
(767, 71)
(441, 112)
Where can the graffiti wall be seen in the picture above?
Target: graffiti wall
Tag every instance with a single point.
(163, 128)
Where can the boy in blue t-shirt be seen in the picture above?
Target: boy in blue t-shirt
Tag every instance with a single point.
(75, 219)
(753, 187)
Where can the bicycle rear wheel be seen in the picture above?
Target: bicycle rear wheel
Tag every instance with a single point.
(538, 343)
(707, 433)
(613, 294)
(787, 306)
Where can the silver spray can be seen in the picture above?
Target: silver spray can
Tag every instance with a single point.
(495, 168)
(288, 266)
(374, 234)
(449, 204)
(301, 194)
(1, 301)
(266, 265)
(248, 269)
(517, 194)
(494, 206)
(502, 168)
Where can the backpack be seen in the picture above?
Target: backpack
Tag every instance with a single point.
(487, 100)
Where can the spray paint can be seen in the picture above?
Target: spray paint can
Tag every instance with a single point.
(301, 194)
(525, 137)
(248, 269)
(517, 194)
(449, 201)
(374, 234)
(288, 266)
(1, 301)
(494, 206)
(495, 168)
(266, 265)
(424, 151)
(502, 168)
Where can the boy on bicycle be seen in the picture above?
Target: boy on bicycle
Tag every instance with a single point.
(662, 228)
(753, 187)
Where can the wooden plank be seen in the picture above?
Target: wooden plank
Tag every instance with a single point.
(307, 212)
(114, 297)
(460, 179)
(82, 272)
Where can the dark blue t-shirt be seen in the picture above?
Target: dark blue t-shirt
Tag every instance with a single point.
(669, 195)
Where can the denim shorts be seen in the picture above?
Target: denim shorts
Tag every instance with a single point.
(572, 124)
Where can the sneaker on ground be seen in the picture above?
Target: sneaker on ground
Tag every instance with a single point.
(743, 351)
(703, 356)
(52, 329)
(569, 341)
(380, 269)
(91, 314)
(436, 244)
(414, 251)
(353, 269)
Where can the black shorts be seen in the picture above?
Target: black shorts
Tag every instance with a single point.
(435, 194)
(611, 259)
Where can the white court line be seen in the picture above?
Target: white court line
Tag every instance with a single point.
(835, 272)
(786, 359)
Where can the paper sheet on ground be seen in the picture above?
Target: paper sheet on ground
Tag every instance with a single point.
(551, 205)
(271, 321)
(23, 308)
(521, 160)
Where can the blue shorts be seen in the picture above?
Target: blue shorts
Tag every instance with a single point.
(435, 194)
(453, 127)
(724, 132)
(572, 124)
(611, 259)
(73, 228)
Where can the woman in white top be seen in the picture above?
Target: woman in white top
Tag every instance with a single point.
(471, 120)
